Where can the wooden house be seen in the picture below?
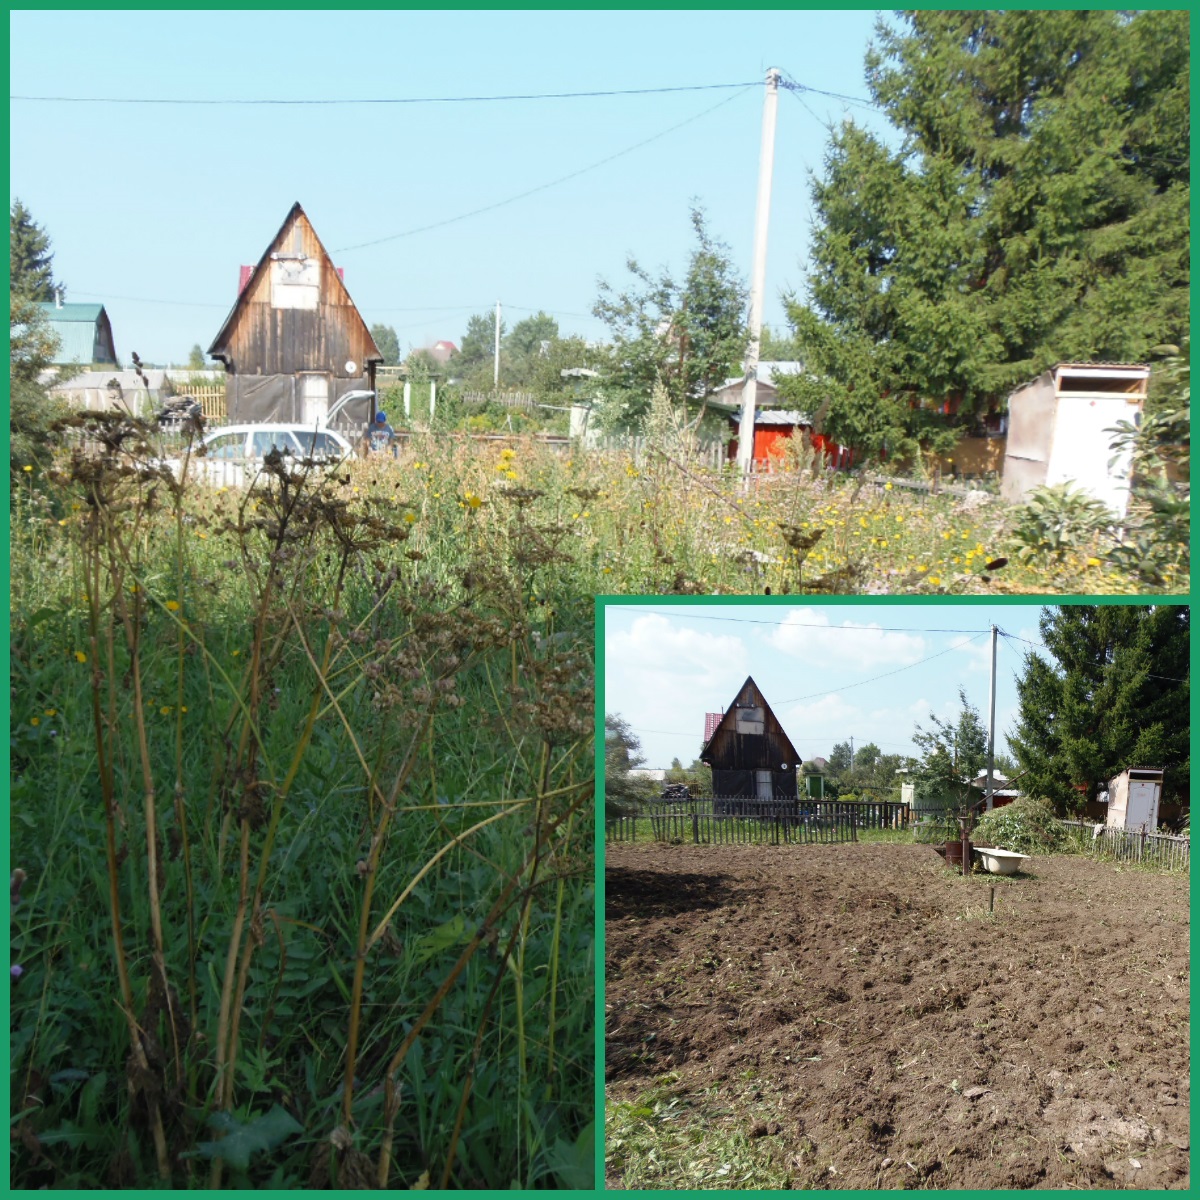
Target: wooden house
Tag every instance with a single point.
(84, 334)
(294, 341)
(750, 755)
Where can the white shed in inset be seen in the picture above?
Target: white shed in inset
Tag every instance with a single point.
(1133, 798)
(1057, 430)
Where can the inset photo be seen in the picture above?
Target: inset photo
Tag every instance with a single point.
(896, 895)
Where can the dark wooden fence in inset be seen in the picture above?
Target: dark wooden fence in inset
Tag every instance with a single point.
(734, 821)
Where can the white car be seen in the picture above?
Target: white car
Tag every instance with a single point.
(233, 454)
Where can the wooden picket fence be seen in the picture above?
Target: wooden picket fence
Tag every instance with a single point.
(525, 400)
(212, 400)
(1165, 850)
(710, 454)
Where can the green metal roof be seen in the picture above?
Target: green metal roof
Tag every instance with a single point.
(72, 312)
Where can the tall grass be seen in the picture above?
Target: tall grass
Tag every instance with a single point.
(307, 833)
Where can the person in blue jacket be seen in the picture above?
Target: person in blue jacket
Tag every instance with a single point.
(381, 435)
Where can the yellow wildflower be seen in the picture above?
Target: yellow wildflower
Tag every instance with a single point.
(35, 720)
(80, 656)
(172, 606)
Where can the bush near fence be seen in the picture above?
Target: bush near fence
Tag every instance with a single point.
(1163, 850)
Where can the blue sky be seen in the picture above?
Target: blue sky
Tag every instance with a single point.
(152, 208)
(665, 666)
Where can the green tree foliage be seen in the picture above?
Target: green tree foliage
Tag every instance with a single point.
(1113, 692)
(698, 776)
(385, 338)
(196, 358)
(952, 752)
(622, 754)
(32, 346)
(30, 261)
(840, 759)
(866, 756)
(524, 346)
(690, 334)
(1036, 210)
(472, 365)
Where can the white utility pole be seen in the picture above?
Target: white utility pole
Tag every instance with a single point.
(496, 358)
(991, 730)
(758, 277)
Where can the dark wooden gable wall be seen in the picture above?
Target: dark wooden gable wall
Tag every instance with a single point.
(748, 745)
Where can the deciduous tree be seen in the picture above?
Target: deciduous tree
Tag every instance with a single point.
(385, 338)
(622, 754)
(690, 334)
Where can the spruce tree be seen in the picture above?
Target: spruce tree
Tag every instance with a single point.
(30, 261)
(1112, 693)
(1035, 211)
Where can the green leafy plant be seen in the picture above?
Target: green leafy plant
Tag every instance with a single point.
(1027, 826)
(1057, 519)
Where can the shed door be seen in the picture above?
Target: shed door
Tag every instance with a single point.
(762, 785)
(1140, 809)
(314, 398)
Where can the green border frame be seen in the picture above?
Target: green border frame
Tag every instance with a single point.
(604, 601)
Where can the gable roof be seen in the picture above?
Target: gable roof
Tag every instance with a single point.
(71, 312)
(749, 691)
(81, 329)
(295, 213)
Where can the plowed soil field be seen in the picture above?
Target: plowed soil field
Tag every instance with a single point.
(861, 1018)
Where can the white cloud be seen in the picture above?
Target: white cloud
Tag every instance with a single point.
(662, 678)
(976, 655)
(817, 716)
(809, 634)
(653, 644)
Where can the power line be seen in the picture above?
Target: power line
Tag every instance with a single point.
(796, 624)
(383, 100)
(1042, 646)
(862, 682)
(542, 186)
(796, 88)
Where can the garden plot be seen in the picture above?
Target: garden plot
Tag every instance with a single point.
(851, 1016)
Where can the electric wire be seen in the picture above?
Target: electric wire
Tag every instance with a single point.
(1042, 646)
(475, 212)
(792, 624)
(862, 682)
(250, 101)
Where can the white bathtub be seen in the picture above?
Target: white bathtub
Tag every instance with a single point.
(1001, 862)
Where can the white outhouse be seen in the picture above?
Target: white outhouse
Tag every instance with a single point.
(1058, 430)
(1133, 798)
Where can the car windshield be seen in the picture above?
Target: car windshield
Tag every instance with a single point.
(226, 446)
(265, 440)
(318, 445)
